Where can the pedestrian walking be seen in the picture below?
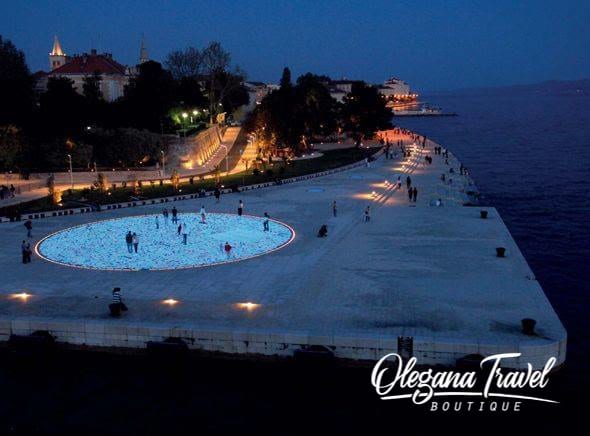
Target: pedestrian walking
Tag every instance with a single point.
(29, 226)
(368, 214)
(415, 194)
(408, 181)
(129, 241)
(334, 210)
(410, 193)
(157, 223)
(203, 216)
(399, 182)
(227, 249)
(184, 234)
(265, 225)
(174, 215)
(165, 213)
(240, 208)
(135, 240)
(179, 229)
(217, 194)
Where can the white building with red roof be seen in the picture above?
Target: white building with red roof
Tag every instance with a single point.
(114, 76)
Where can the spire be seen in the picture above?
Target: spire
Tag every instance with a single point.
(143, 54)
(57, 51)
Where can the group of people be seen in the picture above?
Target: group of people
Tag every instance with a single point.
(132, 241)
(7, 192)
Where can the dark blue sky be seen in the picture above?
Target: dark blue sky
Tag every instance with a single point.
(434, 45)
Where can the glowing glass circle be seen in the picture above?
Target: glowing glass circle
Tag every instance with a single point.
(102, 245)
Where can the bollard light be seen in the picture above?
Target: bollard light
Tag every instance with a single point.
(170, 302)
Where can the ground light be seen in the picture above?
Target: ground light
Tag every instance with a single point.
(22, 296)
(170, 302)
(248, 306)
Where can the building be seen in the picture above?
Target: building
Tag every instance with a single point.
(395, 89)
(258, 90)
(114, 76)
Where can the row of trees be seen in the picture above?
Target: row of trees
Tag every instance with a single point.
(297, 114)
(36, 131)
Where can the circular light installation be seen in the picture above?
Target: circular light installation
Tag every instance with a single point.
(101, 245)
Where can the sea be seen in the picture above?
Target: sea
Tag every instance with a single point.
(529, 155)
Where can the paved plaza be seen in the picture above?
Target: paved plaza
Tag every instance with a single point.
(414, 270)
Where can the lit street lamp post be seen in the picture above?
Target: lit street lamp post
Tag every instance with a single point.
(71, 171)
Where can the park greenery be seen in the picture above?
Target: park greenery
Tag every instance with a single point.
(103, 191)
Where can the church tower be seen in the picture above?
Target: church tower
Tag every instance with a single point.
(143, 54)
(57, 57)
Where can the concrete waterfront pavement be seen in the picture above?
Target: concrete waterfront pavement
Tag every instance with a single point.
(414, 271)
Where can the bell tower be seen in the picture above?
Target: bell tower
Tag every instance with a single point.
(57, 57)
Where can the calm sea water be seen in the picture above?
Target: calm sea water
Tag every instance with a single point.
(529, 156)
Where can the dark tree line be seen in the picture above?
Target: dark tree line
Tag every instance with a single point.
(296, 114)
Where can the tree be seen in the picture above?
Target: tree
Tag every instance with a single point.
(91, 88)
(190, 93)
(149, 97)
(60, 108)
(16, 86)
(185, 63)
(286, 78)
(316, 107)
(11, 147)
(94, 103)
(215, 62)
(364, 112)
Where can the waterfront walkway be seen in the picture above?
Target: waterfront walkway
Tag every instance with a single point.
(424, 273)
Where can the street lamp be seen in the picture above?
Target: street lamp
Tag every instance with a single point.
(71, 171)
(184, 116)
(163, 164)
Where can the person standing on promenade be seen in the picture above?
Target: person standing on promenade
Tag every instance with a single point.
(399, 182)
(165, 213)
(29, 252)
(408, 182)
(334, 209)
(240, 208)
(415, 194)
(203, 216)
(29, 226)
(23, 249)
(184, 234)
(135, 240)
(174, 215)
(265, 226)
(129, 241)
(157, 223)
(227, 249)
(368, 214)
(217, 194)
(179, 229)
(410, 193)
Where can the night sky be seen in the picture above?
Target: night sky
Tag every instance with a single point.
(434, 45)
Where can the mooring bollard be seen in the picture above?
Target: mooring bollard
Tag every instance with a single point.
(500, 251)
(483, 214)
(528, 326)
